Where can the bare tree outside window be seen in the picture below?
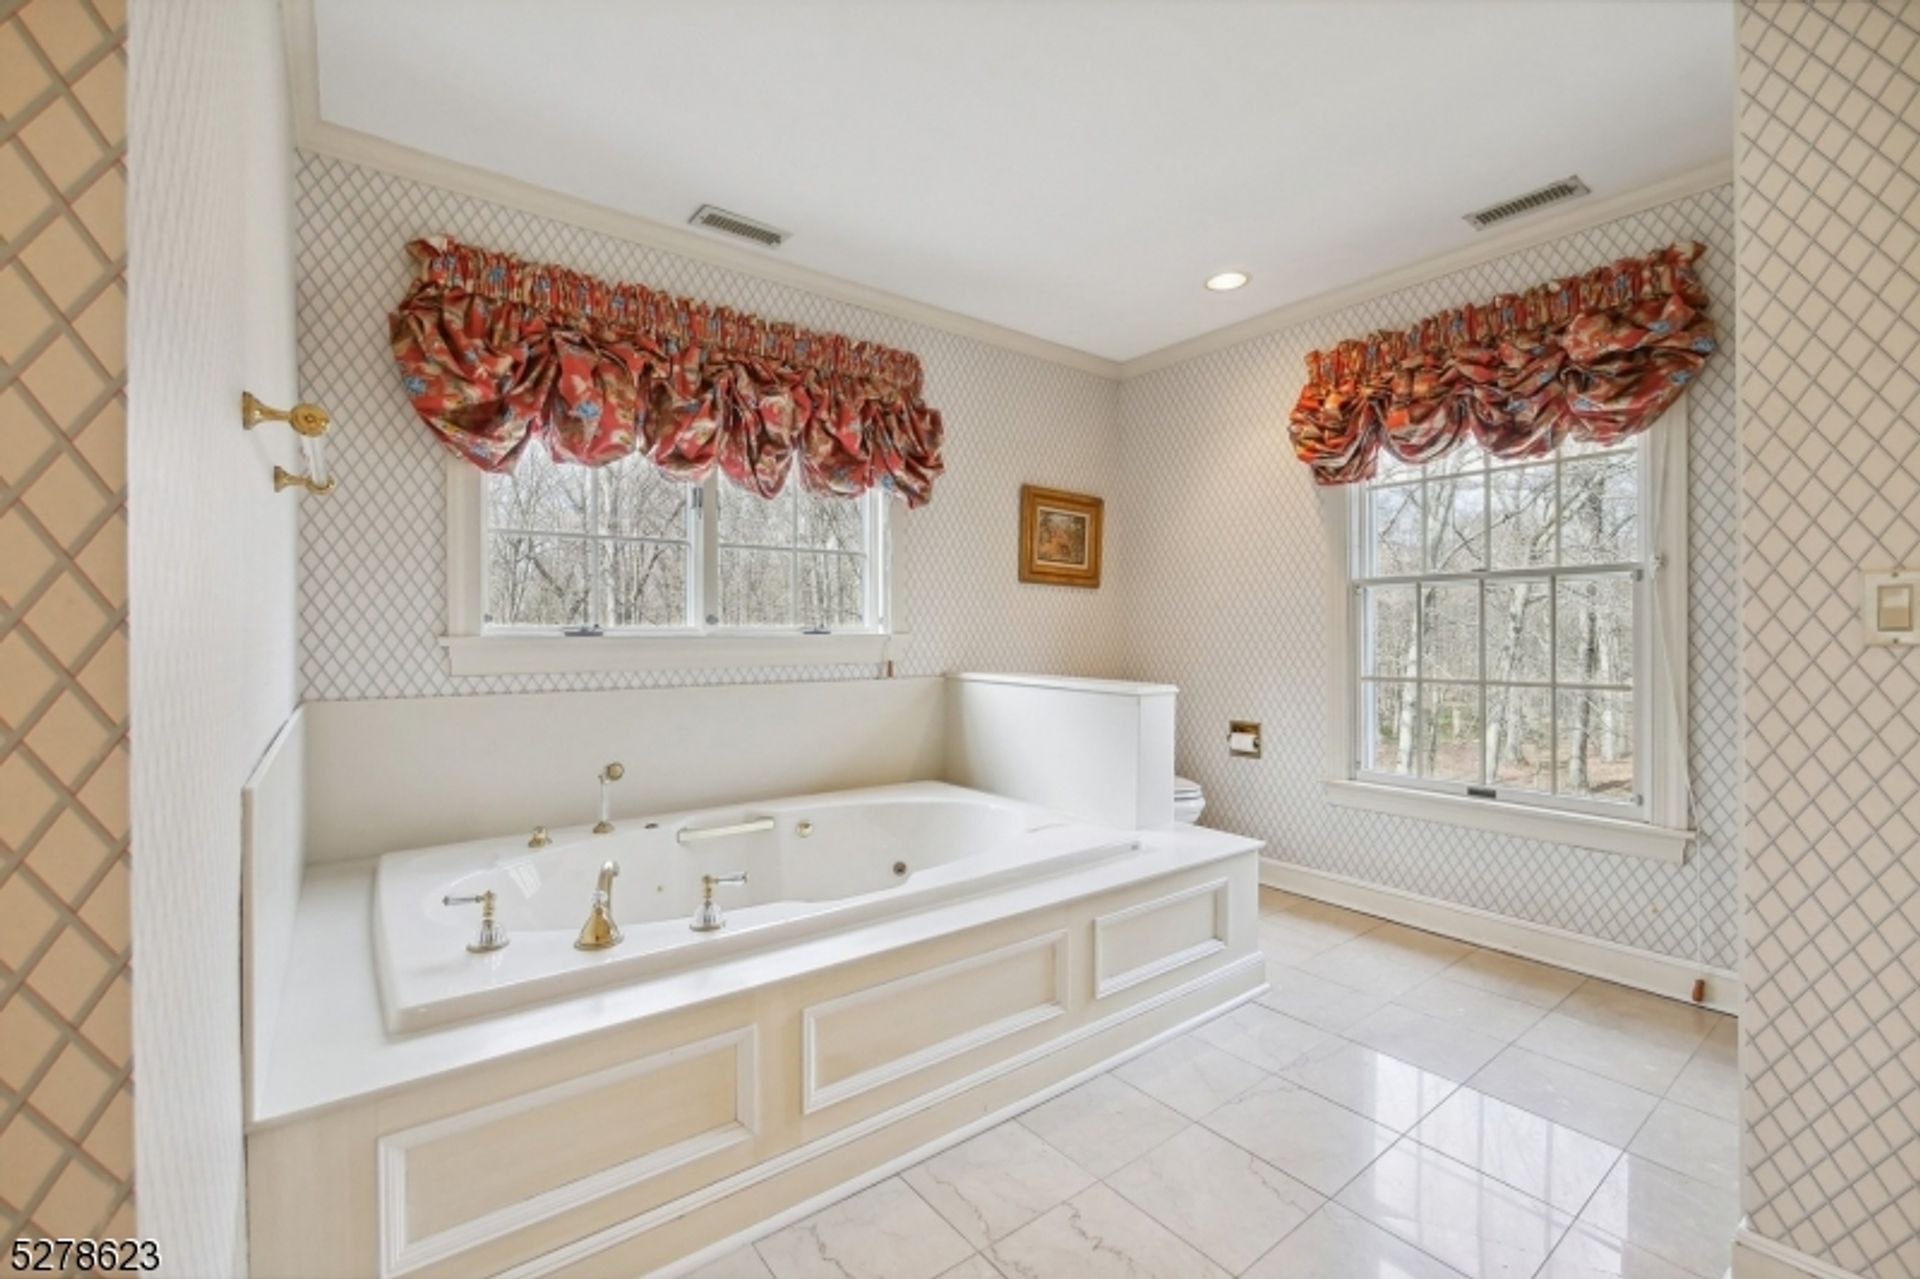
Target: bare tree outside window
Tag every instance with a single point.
(1498, 603)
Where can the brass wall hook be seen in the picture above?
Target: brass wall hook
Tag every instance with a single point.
(310, 422)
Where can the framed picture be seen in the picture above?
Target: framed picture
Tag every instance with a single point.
(1059, 537)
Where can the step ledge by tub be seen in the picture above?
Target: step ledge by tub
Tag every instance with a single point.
(338, 1052)
(1068, 683)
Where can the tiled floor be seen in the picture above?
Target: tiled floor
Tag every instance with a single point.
(1397, 1106)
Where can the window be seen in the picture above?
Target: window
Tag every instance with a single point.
(1505, 640)
(630, 559)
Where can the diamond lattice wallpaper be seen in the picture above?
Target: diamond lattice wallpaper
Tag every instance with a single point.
(66, 1083)
(1829, 207)
(373, 556)
(1231, 607)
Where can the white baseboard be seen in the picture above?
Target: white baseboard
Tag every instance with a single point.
(1641, 969)
(1758, 1257)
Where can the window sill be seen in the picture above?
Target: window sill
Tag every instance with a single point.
(1607, 834)
(568, 655)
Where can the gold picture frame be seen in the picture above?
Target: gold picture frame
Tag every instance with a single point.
(1060, 537)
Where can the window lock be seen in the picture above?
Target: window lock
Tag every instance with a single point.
(1481, 792)
(583, 632)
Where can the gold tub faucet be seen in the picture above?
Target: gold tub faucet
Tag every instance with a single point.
(600, 932)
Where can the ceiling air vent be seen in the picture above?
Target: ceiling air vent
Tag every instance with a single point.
(1552, 193)
(738, 225)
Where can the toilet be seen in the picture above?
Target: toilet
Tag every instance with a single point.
(1188, 801)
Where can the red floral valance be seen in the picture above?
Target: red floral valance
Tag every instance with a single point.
(1595, 357)
(495, 352)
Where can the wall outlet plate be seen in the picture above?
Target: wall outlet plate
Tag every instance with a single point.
(1890, 607)
(1243, 738)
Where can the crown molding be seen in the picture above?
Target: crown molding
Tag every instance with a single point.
(313, 134)
(1539, 229)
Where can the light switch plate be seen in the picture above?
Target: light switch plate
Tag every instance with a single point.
(1890, 607)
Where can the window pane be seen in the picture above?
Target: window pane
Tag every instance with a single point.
(1466, 456)
(832, 523)
(536, 581)
(1519, 631)
(1450, 744)
(1522, 518)
(646, 583)
(638, 500)
(1595, 757)
(1395, 530)
(756, 588)
(1389, 631)
(748, 518)
(1519, 737)
(1600, 510)
(1387, 710)
(1596, 629)
(539, 495)
(1457, 524)
(830, 590)
(1450, 631)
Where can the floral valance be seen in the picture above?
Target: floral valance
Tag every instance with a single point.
(496, 352)
(1595, 357)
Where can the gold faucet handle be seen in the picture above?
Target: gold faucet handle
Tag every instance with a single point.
(613, 772)
(491, 935)
(540, 838)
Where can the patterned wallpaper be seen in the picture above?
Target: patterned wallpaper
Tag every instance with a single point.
(1829, 200)
(66, 1084)
(373, 555)
(1230, 605)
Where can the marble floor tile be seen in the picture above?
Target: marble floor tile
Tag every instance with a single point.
(1679, 1220)
(1704, 1147)
(1336, 1243)
(1385, 1089)
(1316, 1000)
(1710, 1081)
(1444, 1047)
(1477, 1010)
(1257, 1034)
(741, 1263)
(1191, 1075)
(1621, 1050)
(1532, 1154)
(1379, 966)
(1512, 977)
(1606, 1003)
(1301, 1133)
(1099, 1235)
(990, 1185)
(974, 1267)
(1315, 926)
(1418, 943)
(1229, 1204)
(1566, 1094)
(1587, 1253)
(1481, 1227)
(884, 1232)
(1103, 1124)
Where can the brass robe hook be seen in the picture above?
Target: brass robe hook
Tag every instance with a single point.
(311, 423)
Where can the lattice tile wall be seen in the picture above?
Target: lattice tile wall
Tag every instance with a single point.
(1231, 607)
(66, 1085)
(1829, 208)
(373, 556)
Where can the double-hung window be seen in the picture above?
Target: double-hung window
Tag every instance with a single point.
(1512, 627)
(611, 555)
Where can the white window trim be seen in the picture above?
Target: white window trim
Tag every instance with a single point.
(1665, 832)
(474, 649)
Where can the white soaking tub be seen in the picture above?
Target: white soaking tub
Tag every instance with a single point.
(826, 861)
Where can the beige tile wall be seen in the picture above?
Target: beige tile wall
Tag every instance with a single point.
(1828, 202)
(66, 1087)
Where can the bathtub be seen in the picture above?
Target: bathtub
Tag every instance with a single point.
(827, 861)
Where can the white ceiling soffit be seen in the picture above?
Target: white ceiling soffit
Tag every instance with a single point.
(1058, 175)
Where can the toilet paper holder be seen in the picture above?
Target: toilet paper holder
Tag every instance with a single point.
(1243, 738)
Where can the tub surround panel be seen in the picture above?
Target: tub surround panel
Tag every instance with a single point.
(1161, 935)
(1225, 559)
(385, 775)
(373, 556)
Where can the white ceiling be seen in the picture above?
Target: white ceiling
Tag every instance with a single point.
(1068, 168)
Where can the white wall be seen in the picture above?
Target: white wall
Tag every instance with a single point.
(1829, 300)
(211, 577)
(373, 556)
(1224, 557)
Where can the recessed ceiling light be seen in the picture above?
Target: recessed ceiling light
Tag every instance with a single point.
(1227, 281)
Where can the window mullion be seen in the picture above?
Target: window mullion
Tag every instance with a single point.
(711, 599)
(596, 585)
